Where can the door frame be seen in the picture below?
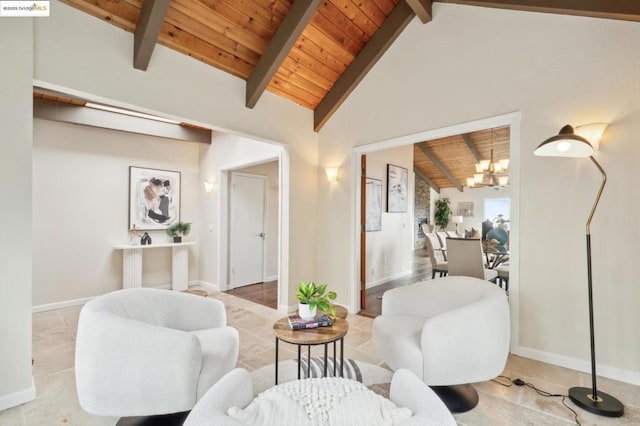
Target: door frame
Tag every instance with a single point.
(512, 120)
(265, 186)
(224, 177)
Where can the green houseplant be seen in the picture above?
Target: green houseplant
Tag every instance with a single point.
(442, 213)
(312, 297)
(179, 230)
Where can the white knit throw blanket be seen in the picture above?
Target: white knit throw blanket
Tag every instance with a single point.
(321, 402)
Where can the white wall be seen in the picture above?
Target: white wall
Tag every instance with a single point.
(99, 65)
(81, 207)
(16, 122)
(477, 197)
(471, 63)
(271, 171)
(390, 250)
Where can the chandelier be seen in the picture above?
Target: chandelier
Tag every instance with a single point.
(490, 173)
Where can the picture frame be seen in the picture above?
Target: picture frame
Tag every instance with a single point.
(154, 198)
(397, 189)
(373, 212)
(465, 209)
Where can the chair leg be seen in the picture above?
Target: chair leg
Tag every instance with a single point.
(457, 398)
(433, 274)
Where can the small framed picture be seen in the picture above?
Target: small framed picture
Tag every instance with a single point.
(465, 209)
(154, 198)
(373, 214)
(397, 189)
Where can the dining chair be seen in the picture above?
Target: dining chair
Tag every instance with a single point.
(464, 257)
(438, 263)
(503, 276)
(442, 237)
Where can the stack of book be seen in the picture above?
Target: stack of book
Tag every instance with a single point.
(321, 320)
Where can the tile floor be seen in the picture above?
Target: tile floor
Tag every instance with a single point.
(57, 403)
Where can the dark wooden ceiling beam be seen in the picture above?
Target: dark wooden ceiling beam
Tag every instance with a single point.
(422, 8)
(472, 146)
(610, 9)
(443, 169)
(426, 178)
(147, 31)
(283, 40)
(366, 59)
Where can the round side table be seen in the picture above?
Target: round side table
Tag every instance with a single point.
(312, 337)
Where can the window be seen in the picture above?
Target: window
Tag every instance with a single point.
(497, 206)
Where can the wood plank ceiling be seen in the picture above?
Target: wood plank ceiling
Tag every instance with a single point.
(315, 52)
(458, 156)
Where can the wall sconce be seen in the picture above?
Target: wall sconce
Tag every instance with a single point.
(332, 173)
(592, 132)
(208, 186)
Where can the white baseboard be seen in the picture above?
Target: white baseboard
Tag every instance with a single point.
(60, 305)
(627, 376)
(77, 302)
(208, 286)
(387, 279)
(17, 398)
(287, 309)
(270, 278)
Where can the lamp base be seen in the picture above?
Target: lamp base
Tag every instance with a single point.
(606, 405)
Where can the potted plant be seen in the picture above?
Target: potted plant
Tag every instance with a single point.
(178, 230)
(312, 297)
(442, 213)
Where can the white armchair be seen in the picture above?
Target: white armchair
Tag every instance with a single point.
(236, 390)
(449, 332)
(146, 351)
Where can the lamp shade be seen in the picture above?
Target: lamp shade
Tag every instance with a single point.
(456, 219)
(565, 144)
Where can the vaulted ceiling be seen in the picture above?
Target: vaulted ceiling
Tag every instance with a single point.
(312, 52)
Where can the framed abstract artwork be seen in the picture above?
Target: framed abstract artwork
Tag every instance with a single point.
(397, 189)
(373, 213)
(465, 209)
(154, 198)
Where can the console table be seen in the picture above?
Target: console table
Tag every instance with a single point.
(132, 264)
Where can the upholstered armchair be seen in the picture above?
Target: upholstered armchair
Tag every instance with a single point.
(449, 332)
(235, 391)
(145, 351)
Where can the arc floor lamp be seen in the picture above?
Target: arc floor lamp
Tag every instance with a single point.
(568, 144)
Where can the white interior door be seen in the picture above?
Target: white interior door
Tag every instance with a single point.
(247, 229)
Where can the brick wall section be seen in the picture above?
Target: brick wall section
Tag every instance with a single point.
(420, 209)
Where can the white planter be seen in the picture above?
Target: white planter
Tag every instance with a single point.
(305, 312)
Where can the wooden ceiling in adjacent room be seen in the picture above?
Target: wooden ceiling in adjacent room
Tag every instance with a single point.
(448, 162)
(312, 52)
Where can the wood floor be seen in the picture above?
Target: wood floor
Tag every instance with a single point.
(267, 293)
(263, 293)
(421, 271)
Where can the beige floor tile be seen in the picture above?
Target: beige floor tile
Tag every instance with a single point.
(495, 411)
(268, 357)
(547, 372)
(57, 403)
(50, 362)
(251, 344)
(12, 416)
(46, 320)
(70, 317)
(356, 337)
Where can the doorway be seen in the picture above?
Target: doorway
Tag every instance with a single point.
(254, 214)
(512, 120)
(247, 227)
